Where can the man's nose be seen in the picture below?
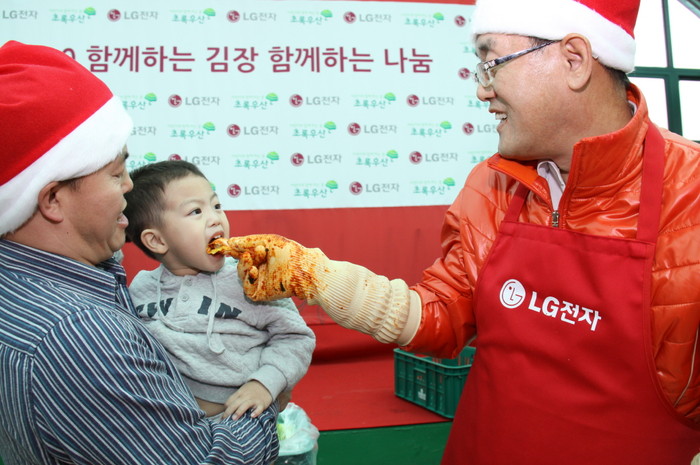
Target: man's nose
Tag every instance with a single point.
(484, 93)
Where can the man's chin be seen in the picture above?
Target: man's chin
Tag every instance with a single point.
(116, 244)
(510, 154)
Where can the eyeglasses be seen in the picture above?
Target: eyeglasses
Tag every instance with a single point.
(486, 70)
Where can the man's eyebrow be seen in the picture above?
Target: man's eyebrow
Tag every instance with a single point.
(483, 48)
(123, 153)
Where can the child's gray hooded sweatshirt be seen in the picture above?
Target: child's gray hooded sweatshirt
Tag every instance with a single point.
(217, 337)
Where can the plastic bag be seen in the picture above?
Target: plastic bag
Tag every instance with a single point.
(298, 437)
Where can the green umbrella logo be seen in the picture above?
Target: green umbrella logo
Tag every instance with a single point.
(272, 97)
(449, 182)
(390, 96)
(329, 125)
(274, 156)
(90, 11)
(327, 14)
(150, 157)
(438, 16)
(393, 154)
(151, 97)
(332, 184)
(446, 125)
(210, 12)
(209, 126)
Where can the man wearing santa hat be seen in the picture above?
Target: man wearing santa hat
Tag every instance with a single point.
(571, 256)
(81, 379)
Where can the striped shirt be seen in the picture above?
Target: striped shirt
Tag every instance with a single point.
(82, 381)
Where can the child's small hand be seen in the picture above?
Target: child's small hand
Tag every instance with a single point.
(252, 395)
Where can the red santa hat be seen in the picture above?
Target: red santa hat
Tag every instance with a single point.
(608, 24)
(57, 122)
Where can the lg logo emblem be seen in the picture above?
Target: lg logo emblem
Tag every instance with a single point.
(512, 293)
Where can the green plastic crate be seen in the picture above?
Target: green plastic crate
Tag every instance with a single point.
(435, 384)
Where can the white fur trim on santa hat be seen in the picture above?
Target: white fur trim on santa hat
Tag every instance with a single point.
(89, 147)
(553, 20)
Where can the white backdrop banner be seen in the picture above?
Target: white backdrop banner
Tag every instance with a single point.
(285, 104)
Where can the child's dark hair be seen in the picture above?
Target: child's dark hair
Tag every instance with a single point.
(145, 202)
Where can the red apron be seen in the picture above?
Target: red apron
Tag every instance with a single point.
(564, 372)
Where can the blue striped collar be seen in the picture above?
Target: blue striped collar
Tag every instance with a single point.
(103, 279)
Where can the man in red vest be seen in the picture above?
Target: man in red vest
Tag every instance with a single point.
(571, 255)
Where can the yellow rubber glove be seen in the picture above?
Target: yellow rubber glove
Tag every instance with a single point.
(272, 267)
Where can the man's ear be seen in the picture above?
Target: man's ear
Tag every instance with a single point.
(579, 58)
(49, 204)
(154, 241)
